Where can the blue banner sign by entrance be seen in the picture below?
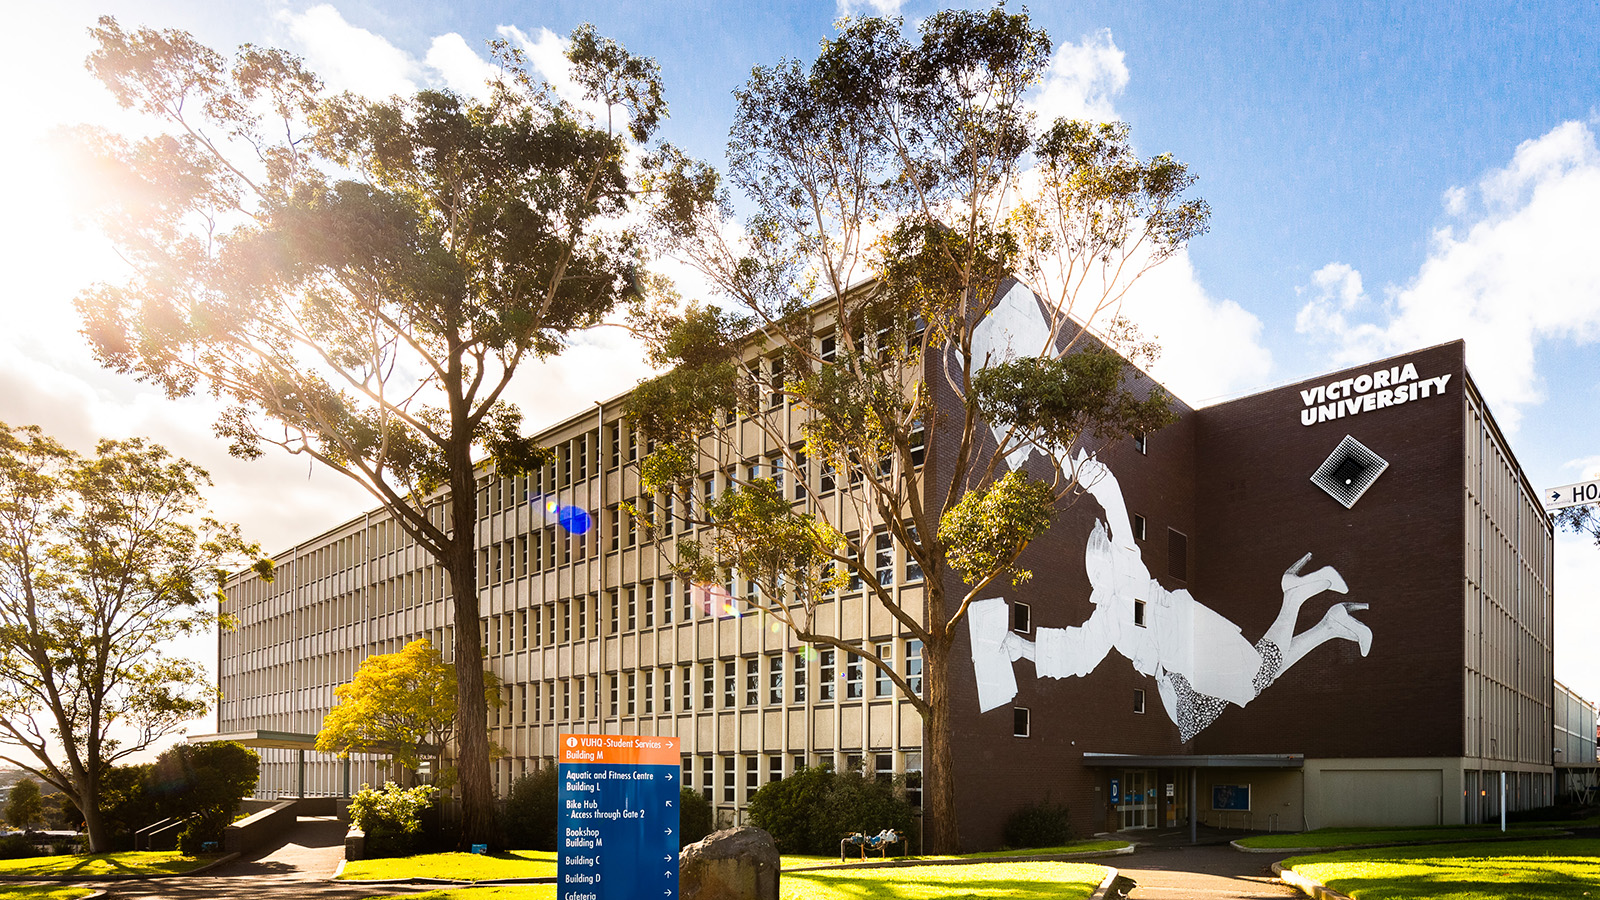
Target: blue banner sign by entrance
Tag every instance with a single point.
(617, 829)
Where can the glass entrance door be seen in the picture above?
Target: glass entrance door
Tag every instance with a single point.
(1138, 807)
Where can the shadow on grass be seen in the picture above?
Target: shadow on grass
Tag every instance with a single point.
(1007, 881)
(1543, 870)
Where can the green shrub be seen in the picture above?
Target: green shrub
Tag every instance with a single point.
(391, 817)
(813, 809)
(1041, 824)
(16, 846)
(531, 811)
(694, 817)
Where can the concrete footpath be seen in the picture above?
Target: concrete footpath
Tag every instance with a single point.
(299, 866)
(1170, 871)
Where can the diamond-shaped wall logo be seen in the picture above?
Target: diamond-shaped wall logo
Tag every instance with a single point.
(1348, 471)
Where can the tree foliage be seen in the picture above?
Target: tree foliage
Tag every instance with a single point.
(205, 781)
(391, 816)
(357, 280)
(532, 811)
(24, 805)
(105, 561)
(400, 704)
(900, 184)
(815, 808)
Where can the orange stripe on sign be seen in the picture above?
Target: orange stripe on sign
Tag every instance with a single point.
(619, 749)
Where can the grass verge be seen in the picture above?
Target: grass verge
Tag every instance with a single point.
(795, 861)
(1346, 837)
(29, 892)
(459, 866)
(100, 864)
(1520, 870)
(1013, 881)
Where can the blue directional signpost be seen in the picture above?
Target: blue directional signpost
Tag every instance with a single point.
(617, 830)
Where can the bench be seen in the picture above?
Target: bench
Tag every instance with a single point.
(880, 842)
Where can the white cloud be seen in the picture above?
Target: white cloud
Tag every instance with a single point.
(1082, 80)
(462, 69)
(1577, 564)
(349, 57)
(1210, 347)
(878, 7)
(1514, 271)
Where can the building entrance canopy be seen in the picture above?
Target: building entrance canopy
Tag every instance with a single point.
(1200, 761)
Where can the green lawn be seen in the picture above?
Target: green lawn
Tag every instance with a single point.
(131, 863)
(493, 892)
(459, 866)
(1001, 881)
(1345, 837)
(20, 892)
(799, 861)
(1518, 870)
(1011, 881)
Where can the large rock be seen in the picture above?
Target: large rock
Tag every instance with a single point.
(733, 864)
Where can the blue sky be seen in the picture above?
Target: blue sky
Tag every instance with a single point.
(1380, 178)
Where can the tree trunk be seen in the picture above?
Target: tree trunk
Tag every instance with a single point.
(478, 820)
(939, 796)
(93, 825)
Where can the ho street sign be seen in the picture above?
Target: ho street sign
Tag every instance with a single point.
(1571, 495)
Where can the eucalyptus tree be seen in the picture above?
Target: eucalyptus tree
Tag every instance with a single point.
(104, 562)
(359, 281)
(897, 185)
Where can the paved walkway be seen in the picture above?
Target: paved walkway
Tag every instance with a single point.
(297, 867)
(1200, 872)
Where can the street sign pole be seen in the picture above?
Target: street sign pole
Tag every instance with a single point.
(617, 828)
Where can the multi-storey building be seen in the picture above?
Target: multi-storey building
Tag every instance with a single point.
(1328, 603)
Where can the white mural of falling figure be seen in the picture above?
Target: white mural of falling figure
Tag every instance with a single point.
(1198, 657)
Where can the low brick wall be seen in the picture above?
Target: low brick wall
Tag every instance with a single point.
(355, 844)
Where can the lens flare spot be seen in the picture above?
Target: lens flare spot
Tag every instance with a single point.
(574, 519)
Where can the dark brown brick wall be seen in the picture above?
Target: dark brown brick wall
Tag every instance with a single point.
(1400, 550)
(1235, 479)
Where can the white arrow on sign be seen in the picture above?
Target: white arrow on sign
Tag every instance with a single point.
(1571, 495)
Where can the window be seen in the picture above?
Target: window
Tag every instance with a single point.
(633, 609)
(633, 692)
(913, 568)
(667, 512)
(730, 684)
(708, 687)
(1021, 618)
(918, 443)
(882, 686)
(583, 695)
(752, 681)
(728, 788)
(752, 775)
(914, 779)
(798, 665)
(708, 490)
(649, 605)
(666, 689)
(825, 478)
(828, 348)
(616, 514)
(666, 600)
(774, 768)
(775, 679)
(615, 690)
(800, 474)
(1138, 526)
(884, 561)
(914, 666)
(777, 462)
(566, 621)
(566, 699)
(583, 619)
(1138, 613)
(827, 670)
(1141, 443)
(649, 691)
(1020, 721)
(686, 677)
(616, 445)
(883, 768)
(616, 610)
(775, 383)
(1138, 701)
(688, 771)
(706, 775)
(852, 677)
(1177, 554)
